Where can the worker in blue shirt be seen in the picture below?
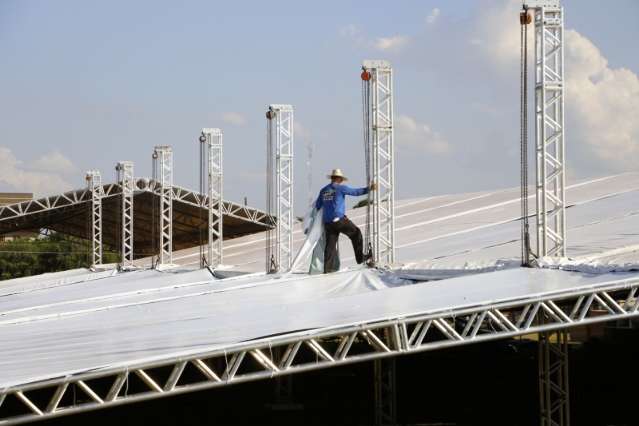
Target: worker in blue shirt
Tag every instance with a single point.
(331, 198)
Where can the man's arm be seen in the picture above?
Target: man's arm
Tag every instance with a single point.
(354, 191)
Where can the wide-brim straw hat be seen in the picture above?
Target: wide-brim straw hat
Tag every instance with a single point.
(337, 173)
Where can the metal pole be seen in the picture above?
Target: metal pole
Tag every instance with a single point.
(383, 159)
(125, 178)
(385, 372)
(213, 151)
(280, 178)
(94, 184)
(163, 157)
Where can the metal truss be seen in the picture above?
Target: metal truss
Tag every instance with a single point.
(549, 128)
(382, 159)
(212, 144)
(73, 198)
(126, 180)
(279, 254)
(163, 159)
(317, 349)
(554, 395)
(94, 185)
(385, 372)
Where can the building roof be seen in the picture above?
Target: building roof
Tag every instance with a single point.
(69, 213)
(14, 197)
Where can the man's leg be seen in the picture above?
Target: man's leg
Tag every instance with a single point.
(330, 250)
(352, 231)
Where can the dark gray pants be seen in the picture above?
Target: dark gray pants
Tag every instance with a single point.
(333, 229)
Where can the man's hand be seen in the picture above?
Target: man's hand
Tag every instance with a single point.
(373, 186)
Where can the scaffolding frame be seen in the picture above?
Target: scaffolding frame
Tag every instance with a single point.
(163, 175)
(212, 153)
(549, 127)
(94, 185)
(279, 186)
(126, 179)
(382, 159)
(281, 355)
(554, 389)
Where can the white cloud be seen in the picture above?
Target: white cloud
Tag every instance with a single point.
(498, 31)
(393, 43)
(53, 162)
(16, 176)
(433, 16)
(603, 101)
(362, 40)
(234, 118)
(411, 134)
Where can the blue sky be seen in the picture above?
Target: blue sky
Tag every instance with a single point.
(85, 83)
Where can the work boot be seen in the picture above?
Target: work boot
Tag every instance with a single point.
(368, 259)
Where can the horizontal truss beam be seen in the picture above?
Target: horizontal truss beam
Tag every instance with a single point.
(68, 199)
(325, 348)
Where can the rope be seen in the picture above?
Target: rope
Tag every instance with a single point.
(525, 235)
(270, 255)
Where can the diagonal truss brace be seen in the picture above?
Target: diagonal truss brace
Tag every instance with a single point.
(304, 351)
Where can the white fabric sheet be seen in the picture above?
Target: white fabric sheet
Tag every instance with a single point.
(86, 334)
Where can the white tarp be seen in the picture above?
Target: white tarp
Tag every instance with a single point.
(478, 230)
(85, 333)
(310, 256)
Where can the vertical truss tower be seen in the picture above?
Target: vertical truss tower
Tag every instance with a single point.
(211, 152)
(126, 180)
(163, 175)
(549, 127)
(378, 75)
(554, 395)
(94, 184)
(279, 187)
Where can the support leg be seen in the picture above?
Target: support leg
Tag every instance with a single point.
(554, 397)
(385, 392)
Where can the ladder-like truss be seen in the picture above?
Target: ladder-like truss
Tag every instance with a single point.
(94, 185)
(317, 349)
(549, 128)
(382, 162)
(212, 153)
(554, 395)
(279, 187)
(163, 168)
(126, 180)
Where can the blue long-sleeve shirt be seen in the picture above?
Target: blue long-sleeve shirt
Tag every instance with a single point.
(332, 198)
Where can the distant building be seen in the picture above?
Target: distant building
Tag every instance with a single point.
(14, 198)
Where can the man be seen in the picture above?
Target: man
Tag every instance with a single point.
(331, 198)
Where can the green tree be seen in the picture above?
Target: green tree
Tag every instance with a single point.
(56, 252)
